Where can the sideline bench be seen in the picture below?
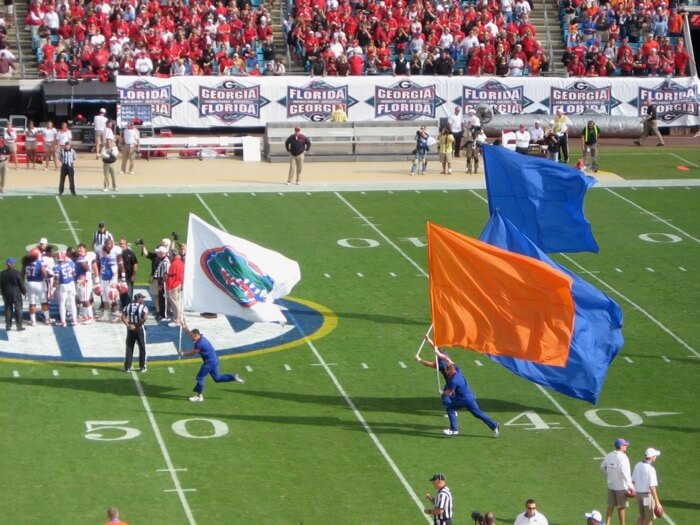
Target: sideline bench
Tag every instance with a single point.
(357, 141)
(198, 146)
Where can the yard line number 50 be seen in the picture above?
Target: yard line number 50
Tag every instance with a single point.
(120, 431)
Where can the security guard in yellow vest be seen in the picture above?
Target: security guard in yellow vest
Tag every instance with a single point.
(589, 142)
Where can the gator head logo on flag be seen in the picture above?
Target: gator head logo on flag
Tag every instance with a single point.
(241, 279)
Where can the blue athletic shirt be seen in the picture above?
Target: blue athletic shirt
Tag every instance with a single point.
(65, 272)
(459, 384)
(33, 272)
(206, 350)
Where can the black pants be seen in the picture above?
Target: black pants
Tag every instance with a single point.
(13, 307)
(161, 298)
(125, 298)
(138, 337)
(67, 171)
(522, 151)
(458, 143)
(564, 148)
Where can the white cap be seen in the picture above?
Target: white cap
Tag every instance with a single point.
(165, 242)
(103, 110)
(651, 452)
(596, 515)
(43, 240)
(161, 249)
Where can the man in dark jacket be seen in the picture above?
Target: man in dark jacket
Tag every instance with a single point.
(12, 287)
(297, 145)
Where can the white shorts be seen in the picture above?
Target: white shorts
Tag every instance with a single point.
(66, 293)
(36, 292)
(84, 290)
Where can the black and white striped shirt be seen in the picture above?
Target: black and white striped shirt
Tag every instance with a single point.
(443, 501)
(162, 268)
(67, 156)
(99, 238)
(136, 313)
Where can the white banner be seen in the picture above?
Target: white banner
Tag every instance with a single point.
(232, 276)
(201, 102)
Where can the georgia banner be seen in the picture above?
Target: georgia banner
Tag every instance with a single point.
(228, 275)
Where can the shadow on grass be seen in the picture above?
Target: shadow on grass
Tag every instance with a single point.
(383, 319)
(120, 386)
(677, 504)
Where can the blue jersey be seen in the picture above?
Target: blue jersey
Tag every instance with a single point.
(65, 272)
(206, 350)
(459, 384)
(33, 272)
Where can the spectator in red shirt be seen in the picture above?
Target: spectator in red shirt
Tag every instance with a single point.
(576, 68)
(356, 64)
(173, 285)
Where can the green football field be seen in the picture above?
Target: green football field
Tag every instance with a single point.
(336, 423)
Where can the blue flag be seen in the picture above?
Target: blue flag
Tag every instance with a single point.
(597, 336)
(542, 198)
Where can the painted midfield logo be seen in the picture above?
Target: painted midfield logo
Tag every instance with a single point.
(239, 278)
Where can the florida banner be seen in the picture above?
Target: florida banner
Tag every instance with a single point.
(232, 276)
(542, 198)
(597, 336)
(497, 302)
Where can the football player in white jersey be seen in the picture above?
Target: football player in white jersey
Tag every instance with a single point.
(109, 266)
(83, 274)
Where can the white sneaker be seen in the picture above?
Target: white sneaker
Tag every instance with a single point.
(173, 324)
(105, 189)
(238, 379)
(450, 432)
(449, 172)
(497, 431)
(197, 399)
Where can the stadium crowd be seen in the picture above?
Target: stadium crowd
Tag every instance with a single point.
(622, 37)
(100, 39)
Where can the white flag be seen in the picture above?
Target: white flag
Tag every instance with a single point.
(231, 276)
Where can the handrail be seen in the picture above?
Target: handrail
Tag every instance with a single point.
(689, 45)
(552, 61)
(20, 55)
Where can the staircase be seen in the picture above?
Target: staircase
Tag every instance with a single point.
(549, 22)
(294, 67)
(28, 67)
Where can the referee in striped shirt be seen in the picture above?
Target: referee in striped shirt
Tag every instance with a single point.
(134, 317)
(67, 156)
(159, 275)
(442, 502)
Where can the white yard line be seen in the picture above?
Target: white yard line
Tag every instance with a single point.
(164, 451)
(341, 390)
(652, 214)
(69, 223)
(641, 310)
(381, 234)
(206, 206)
(363, 422)
(685, 160)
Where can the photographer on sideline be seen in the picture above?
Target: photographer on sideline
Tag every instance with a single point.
(484, 519)
(420, 162)
(155, 261)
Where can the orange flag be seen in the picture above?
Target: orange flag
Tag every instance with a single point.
(498, 302)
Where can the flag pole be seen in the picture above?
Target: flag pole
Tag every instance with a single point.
(424, 340)
(179, 344)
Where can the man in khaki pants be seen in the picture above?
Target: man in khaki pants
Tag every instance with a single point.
(130, 140)
(297, 145)
(109, 154)
(5, 154)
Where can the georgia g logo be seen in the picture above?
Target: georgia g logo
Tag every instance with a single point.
(233, 273)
